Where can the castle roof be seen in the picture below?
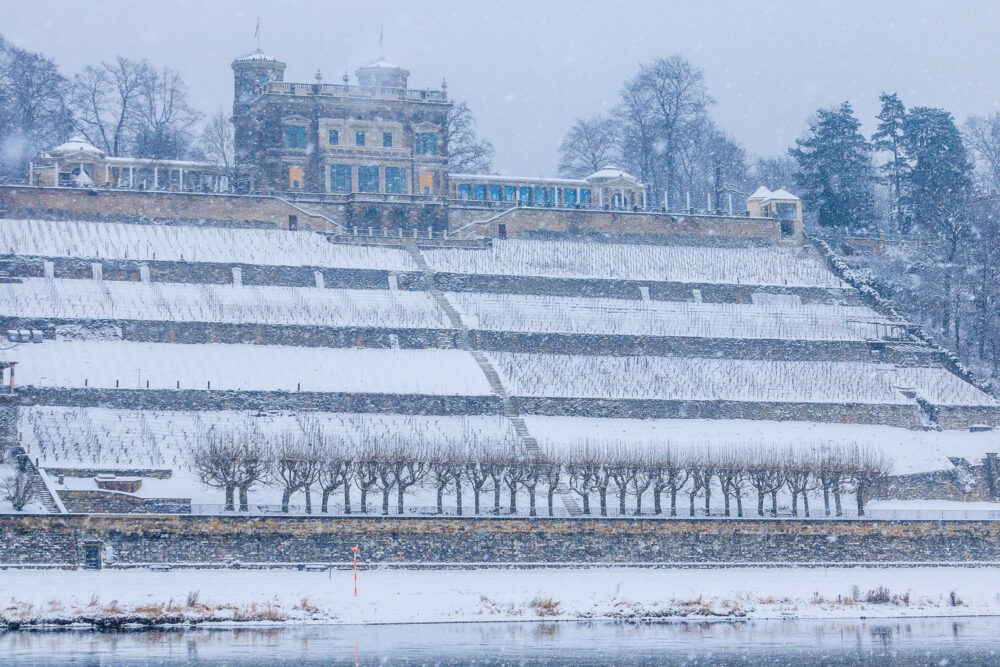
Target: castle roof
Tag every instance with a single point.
(256, 56)
(610, 172)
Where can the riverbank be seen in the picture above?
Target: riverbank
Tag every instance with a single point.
(140, 597)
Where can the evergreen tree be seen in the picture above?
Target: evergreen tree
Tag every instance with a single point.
(889, 138)
(835, 172)
(939, 181)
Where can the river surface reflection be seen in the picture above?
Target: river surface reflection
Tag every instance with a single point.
(966, 641)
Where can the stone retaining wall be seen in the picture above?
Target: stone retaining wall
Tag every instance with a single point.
(121, 503)
(195, 399)
(186, 539)
(211, 273)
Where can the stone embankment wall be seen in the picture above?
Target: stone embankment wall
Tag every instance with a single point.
(198, 399)
(121, 503)
(193, 539)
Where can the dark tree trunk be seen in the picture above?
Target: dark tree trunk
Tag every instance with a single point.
(309, 503)
(285, 496)
(551, 498)
(774, 503)
(229, 491)
(400, 490)
(324, 506)
(385, 500)
(244, 501)
(347, 498)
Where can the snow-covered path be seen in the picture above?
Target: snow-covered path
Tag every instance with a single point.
(405, 596)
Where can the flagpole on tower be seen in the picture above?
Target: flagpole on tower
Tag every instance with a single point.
(381, 49)
(256, 33)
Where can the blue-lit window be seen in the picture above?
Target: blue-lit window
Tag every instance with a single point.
(479, 192)
(387, 140)
(425, 143)
(340, 178)
(585, 197)
(494, 193)
(508, 192)
(539, 195)
(334, 137)
(552, 196)
(569, 196)
(359, 138)
(395, 180)
(525, 195)
(367, 179)
(295, 136)
(464, 191)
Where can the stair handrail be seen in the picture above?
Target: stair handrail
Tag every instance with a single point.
(483, 222)
(313, 214)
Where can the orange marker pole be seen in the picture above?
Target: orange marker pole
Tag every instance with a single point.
(355, 550)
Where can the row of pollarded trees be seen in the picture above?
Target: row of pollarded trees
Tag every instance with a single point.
(322, 464)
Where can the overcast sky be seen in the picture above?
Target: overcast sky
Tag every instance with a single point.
(528, 68)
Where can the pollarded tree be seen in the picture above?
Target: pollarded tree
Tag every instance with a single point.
(295, 466)
(447, 467)
(582, 467)
(551, 472)
(829, 478)
(866, 468)
(731, 473)
(670, 474)
(215, 460)
(798, 471)
(253, 462)
(335, 470)
(835, 176)
(477, 471)
(766, 477)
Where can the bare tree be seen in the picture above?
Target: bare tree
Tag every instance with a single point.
(829, 478)
(18, 490)
(467, 152)
(215, 460)
(670, 474)
(582, 469)
(477, 471)
(731, 473)
(865, 469)
(107, 100)
(445, 463)
(366, 470)
(589, 145)
(252, 464)
(551, 473)
(295, 467)
(402, 467)
(798, 472)
(702, 470)
(982, 133)
(164, 120)
(496, 469)
(335, 470)
(217, 146)
(766, 478)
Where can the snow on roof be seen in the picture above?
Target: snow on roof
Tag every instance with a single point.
(382, 62)
(760, 193)
(77, 145)
(256, 56)
(783, 194)
(610, 171)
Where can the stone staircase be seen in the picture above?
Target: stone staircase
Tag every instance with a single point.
(510, 410)
(37, 483)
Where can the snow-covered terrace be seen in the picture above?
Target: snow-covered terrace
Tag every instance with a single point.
(770, 266)
(182, 302)
(147, 242)
(113, 438)
(579, 315)
(911, 451)
(676, 378)
(128, 365)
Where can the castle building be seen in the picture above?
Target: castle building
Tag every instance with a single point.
(378, 137)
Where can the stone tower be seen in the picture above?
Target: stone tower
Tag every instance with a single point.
(250, 72)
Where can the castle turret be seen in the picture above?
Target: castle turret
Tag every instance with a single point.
(250, 72)
(382, 74)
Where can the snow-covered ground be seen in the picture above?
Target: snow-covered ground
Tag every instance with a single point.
(248, 367)
(109, 240)
(423, 596)
(641, 377)
(798, 267)
(182, 302)
(106, 437)
(910, 451)
(789, 321)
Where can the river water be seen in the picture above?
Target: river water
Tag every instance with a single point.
(966, 641)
